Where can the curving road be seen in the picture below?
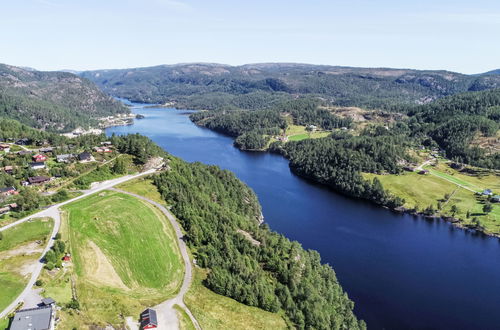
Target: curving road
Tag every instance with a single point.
(167, 315)
(53, 212)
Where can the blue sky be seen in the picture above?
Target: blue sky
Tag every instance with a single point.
(458, 35)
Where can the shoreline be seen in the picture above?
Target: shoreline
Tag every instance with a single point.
(457, 223)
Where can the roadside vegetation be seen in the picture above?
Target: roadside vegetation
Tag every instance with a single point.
(124, 258)
(20, 248)
(214, 311)
(213, 207)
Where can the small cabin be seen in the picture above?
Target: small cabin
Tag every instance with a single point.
(149, 319)
(487, 192)
(39, 158)
(67, 257)
(37, 165)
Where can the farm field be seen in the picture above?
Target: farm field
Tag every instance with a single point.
(297, 133)
(214, 311)
(424, 190)
(125, 258)
(20, 247)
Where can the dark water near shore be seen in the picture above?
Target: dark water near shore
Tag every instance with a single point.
(402, 272)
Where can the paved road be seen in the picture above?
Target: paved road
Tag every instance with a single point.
(53, 212)
(167, 315)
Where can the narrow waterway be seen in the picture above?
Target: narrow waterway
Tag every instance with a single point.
(402, 272)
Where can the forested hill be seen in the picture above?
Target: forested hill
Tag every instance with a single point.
(257, 86)
(53, 101)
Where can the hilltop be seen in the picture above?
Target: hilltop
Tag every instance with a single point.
(52, 101)
(255, 86)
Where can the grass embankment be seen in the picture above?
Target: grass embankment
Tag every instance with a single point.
(184, 320)
(4, 324)
(298, 133)
(143, 187)
(213, 311)
(20, 247)
(430, 189)
(125, 259)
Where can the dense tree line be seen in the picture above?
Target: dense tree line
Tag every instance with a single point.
(278, 274)
(338, 160)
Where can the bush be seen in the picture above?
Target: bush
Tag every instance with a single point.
(49, 265)
(39, 283)
(73, 304)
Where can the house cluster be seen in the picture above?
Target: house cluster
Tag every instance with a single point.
(42, 317)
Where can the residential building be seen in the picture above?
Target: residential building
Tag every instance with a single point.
(7, 191)
(66, 158)
(149, 319)
(85, 157)
(4, 147)
(34, 180)
(39, 158)
(37, 165)
(487, 192)
(42, 318)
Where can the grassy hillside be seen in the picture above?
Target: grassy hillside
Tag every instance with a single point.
(20, 247)
(125, 258)
(54, 101)
(214, 311)
(444, 189)
(257, 86)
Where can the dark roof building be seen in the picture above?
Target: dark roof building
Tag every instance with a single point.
(85, 156)
(149, 319)
(7, 190)
(33, 319)
(38, 179)
(48, 301)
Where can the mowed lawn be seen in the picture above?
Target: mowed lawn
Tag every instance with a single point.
(214, 311)
(125, 257)
(20, 247)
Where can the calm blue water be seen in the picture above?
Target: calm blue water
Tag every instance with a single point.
(401, 272)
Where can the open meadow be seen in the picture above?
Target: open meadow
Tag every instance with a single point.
(124, 258)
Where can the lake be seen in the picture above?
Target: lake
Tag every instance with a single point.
(402, 272)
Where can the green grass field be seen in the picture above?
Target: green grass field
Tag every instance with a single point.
(143, 187)
(125, 258)
(18, 250)
(298, 133)
(214, 311)
(424, 190)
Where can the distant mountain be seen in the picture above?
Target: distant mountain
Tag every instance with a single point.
(492, 72)
(253, 86)
(53, 101)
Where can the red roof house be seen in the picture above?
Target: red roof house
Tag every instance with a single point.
(39, 158)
